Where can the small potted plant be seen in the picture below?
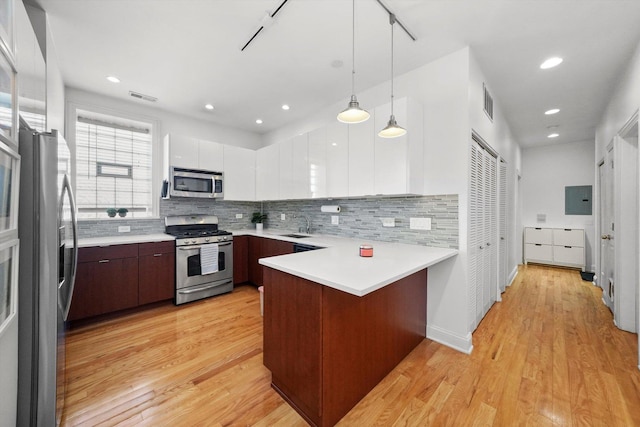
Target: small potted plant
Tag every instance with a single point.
(123, 212)
(257, 218)
(112, 212)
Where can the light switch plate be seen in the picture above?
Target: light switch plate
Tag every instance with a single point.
(335, 220)
(283, 217)
(238, 216)
(124, 229)
(420, 223)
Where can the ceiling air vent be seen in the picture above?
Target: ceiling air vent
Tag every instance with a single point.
(488, 102)
(143, 96)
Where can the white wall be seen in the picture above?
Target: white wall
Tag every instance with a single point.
(546, 171)
(167, 122)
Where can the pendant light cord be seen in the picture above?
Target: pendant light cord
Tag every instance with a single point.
(353, 47)
(392, 20)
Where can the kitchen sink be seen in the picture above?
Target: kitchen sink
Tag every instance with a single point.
(295, 236)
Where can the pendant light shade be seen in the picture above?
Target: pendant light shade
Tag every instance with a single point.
(353, 113)
(392, 130)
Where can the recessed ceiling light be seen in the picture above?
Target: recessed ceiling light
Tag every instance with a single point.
(285, 107)
(553, 135)
(551, 62)
(259, 121)
(209, 107)
(113, 79)
(552, 111)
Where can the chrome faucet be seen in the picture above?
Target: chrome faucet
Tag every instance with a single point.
(302, 229)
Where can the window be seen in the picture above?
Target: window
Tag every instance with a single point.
(113, 166)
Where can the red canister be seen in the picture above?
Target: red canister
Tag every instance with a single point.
(366, 250)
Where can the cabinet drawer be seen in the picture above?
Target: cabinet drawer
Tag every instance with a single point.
(152, 248)
(542, 236)
(568, 255)
(97, 253)
(538, 253)
(568, 237)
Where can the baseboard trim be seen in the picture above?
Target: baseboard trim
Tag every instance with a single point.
(513, 275)
(448, 338)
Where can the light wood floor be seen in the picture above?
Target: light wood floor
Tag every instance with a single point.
(548, 354)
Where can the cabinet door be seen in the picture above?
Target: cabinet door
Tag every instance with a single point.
(104, 286)
(285, 169)
(240, 259)
(272, 247)
(210, 156)
(300, 163)
(183, 151)
(267, 172)
(568, 237)
(361, 176)
(239, 174)
(337, 160)
(156, 272)
(254, 253)
(390, 158)
(317, 146)
(543, 236)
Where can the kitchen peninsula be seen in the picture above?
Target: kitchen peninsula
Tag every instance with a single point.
(336, 323)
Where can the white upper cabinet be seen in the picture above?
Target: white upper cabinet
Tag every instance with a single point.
(360, 158)
(267, 172)
(239, 173)
(337, 160)
(191, 153)
(399, 162)
(210, 156)
(301, 172)
(182, 151)
(317, 146)
(285, 170)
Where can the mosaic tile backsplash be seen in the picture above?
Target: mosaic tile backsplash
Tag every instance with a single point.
(359, 218)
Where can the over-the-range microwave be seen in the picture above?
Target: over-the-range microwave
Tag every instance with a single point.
(194, 183)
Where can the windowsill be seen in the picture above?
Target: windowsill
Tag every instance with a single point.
(149, 218)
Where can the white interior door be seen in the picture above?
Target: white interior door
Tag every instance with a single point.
(607, 228)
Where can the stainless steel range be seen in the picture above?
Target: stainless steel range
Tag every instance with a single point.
(204, 257)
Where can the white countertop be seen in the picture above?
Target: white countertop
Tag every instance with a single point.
(339, 265)
(123, 240)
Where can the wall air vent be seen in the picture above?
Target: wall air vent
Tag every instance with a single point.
(488, 102)
(143, 96)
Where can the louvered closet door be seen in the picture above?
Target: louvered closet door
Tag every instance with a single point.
(475, 229)
(483, 223)
(502, 227)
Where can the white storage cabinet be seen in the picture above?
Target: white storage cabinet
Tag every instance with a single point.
(555, 246)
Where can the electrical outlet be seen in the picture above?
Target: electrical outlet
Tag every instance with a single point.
(388, 222)
(124, 229)
(335, 220)
(238, 216)
(283, 217)
(420, 223)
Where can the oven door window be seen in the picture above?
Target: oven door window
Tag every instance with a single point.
(193, 185)
(193, 264)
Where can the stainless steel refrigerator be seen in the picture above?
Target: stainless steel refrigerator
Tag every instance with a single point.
(47, 229)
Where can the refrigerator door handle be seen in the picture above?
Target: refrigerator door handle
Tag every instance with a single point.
(66, 186)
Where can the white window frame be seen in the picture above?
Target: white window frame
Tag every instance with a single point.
(156, 150)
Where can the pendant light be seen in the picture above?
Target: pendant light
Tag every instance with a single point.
(392, 130)
(353, 113)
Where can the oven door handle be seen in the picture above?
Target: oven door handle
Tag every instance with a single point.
(204, 288)
(190, 248)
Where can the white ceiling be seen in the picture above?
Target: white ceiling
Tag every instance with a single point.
(187, 53)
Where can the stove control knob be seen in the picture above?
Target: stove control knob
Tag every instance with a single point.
(206, 239)
(224, 237)
(193, 241)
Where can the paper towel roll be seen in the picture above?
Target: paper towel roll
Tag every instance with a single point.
(331, 209)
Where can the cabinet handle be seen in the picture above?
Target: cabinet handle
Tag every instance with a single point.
(568, 247)
(481, 247)
(103, 260)
(488, 244)
(567, 229)
(538, 244)
(157, 254)
(538, 228)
